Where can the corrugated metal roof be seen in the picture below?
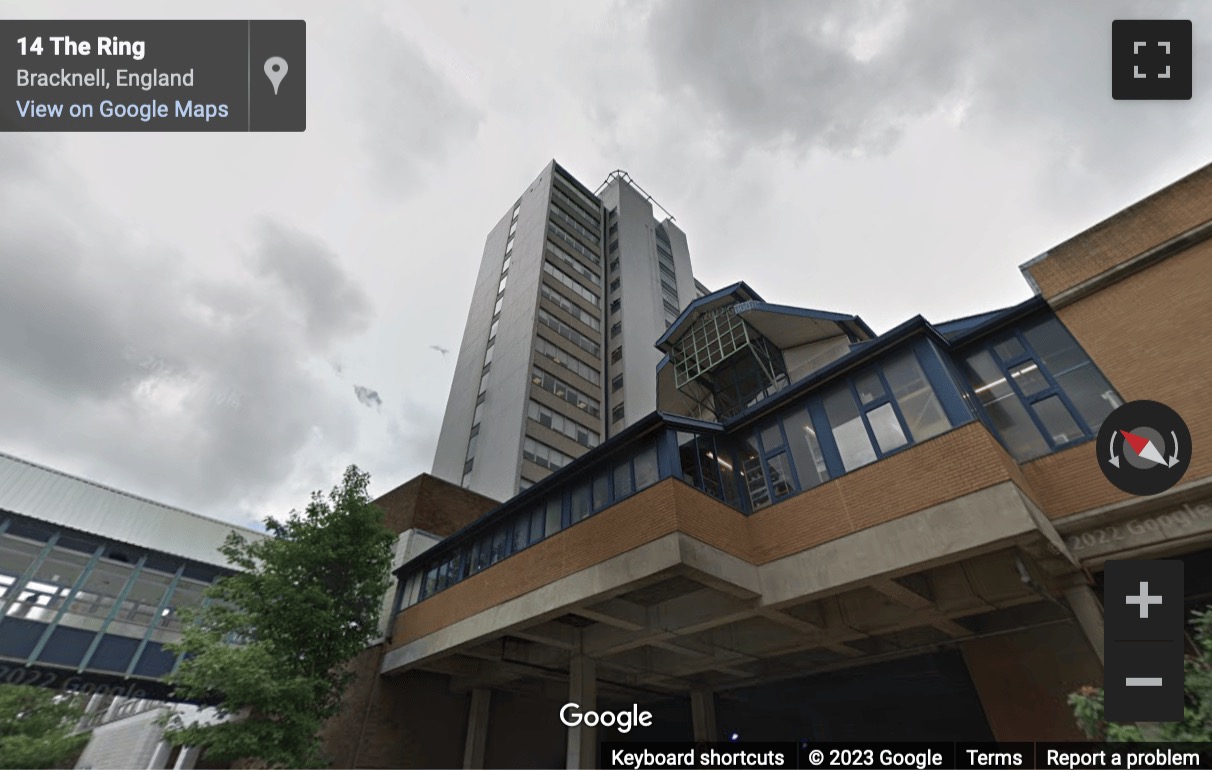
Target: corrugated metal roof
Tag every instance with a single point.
(49, 495)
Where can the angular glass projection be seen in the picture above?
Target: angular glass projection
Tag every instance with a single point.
(715, 337)
(735, 363)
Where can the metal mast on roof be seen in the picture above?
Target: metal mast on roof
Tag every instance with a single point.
(623, 176)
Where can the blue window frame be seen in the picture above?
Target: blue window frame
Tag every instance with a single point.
(1039, 390)
(767, 466)
(782, 457)
(886, 408)
(906, 398)
(581, 501)
(622, 480)
(807, 455)
(707, 464)
(864, 420)
(520, 533)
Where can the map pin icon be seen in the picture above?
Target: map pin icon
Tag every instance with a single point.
(275, 70)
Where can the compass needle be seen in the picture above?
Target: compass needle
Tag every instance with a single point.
(1155, 447)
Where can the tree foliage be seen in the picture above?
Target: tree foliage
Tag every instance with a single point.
(36, 725)
(306, 601)
(1087, 702)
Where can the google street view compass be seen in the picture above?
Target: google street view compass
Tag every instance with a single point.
(1144, 447)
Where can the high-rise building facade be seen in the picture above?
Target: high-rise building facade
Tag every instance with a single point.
(557, 353)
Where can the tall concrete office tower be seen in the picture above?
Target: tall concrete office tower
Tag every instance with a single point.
(558, 354)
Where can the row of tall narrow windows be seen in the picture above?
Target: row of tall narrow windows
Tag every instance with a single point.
(597, 489)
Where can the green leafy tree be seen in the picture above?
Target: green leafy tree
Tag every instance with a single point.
(1087, 702)
(270, 648)
(36, 726)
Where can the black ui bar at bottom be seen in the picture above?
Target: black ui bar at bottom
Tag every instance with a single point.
(904, 756)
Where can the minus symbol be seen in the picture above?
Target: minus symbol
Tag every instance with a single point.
(1144, 681)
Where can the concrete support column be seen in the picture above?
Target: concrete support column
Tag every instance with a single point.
(702, 714)
(582, 690)
(1089, 613)
(477, 729)
(188, 758)
(159, 757)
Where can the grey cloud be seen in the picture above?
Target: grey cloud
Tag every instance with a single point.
(786, 72)
(412, 117)
(413, 433)
(120, 364)
(850, 76)
(368, 397)
(331, 303)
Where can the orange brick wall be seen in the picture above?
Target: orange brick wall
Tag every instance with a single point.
(1154, 220)
(1169, 360)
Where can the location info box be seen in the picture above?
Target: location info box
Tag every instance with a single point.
(153, 75)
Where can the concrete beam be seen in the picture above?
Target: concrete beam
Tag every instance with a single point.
(795, 624)
(701, 610)
(687, 657)
(456, 666)
(618, 613)
(605, 641)
(683, 615)
(954, 594)
(552, 634)
(813, 633)
(902, 595)
(519, 651)
(999, 580)
(700, 650)
(949, 627)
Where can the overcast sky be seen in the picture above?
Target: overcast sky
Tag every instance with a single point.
(223, 322)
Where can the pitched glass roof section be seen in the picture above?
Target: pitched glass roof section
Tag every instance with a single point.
(785, 326)
(726, 350)
(732, 362)
(717, 335)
